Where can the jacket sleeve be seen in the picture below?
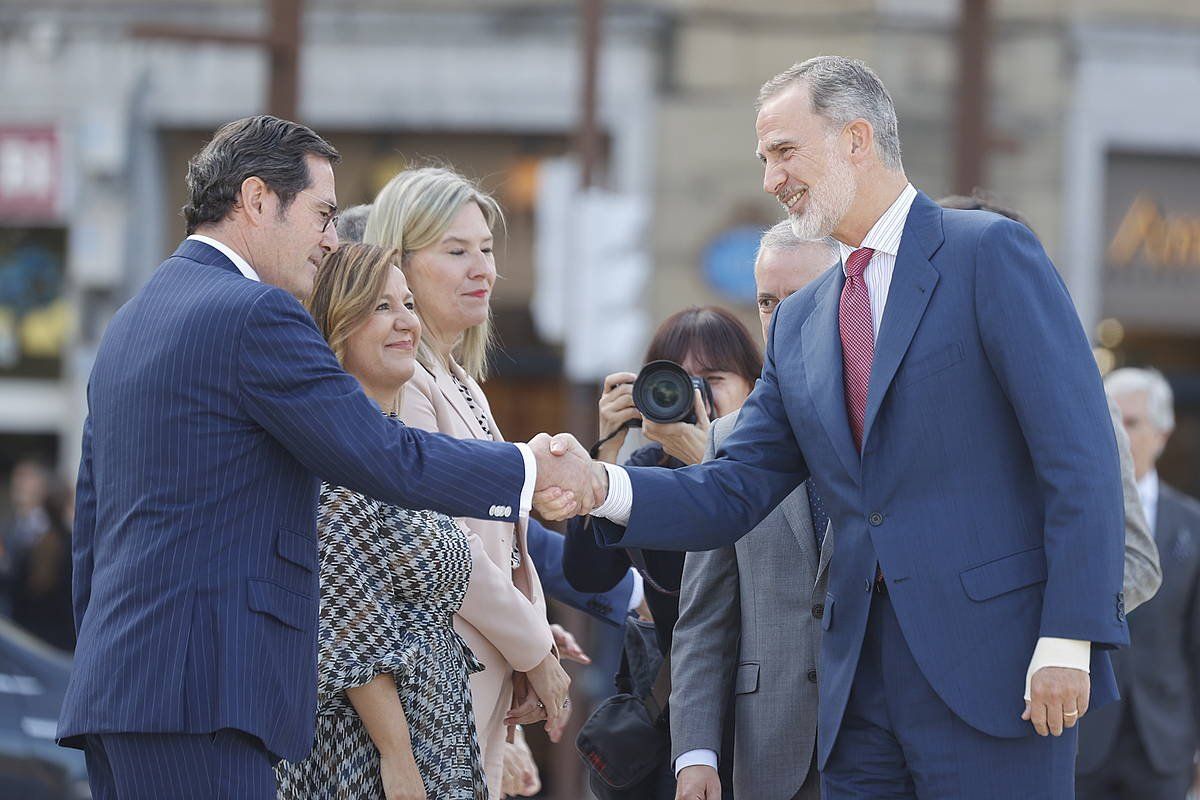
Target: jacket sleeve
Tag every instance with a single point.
(83, 532)
(704, 646)
(586, 565)
(1038, 352)
(293, 386)
(360, 633)
(514, 625)
(1143, 574)
(546, 548)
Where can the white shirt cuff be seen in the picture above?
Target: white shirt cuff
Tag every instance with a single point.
(619, 502)
(530, 478)
(639, 591)
(692, 758)
(1051, 652)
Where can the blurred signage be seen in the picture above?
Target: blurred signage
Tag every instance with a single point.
(35, 318)
(728, 263)
(1152, 240)
(30, 174)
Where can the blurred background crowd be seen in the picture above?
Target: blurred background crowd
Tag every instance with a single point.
(618, 138)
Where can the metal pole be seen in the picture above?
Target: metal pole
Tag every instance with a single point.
(973, 98)
(284, 37)
(588, 137)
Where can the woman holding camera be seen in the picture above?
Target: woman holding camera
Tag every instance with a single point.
(709, 343)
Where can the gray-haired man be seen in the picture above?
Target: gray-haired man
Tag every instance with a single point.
(1144, 746)
(749, 615)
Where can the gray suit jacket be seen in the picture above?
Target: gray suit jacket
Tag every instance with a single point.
(1143, 573)
(749, 628)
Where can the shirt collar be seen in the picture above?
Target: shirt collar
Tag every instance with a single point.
(239, 262)
(1148, 489)
(884, 236)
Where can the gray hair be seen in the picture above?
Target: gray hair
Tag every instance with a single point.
(842, 90)
(781, 237)
(352, 223)
(1160, 402)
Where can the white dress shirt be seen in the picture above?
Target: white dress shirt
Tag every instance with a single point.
(884, 238)
(248, 271)
(1148, 494)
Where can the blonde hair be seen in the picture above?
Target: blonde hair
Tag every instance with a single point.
(412, 212)
(347, 290)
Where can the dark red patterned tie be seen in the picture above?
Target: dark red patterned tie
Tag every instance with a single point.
(858, 340)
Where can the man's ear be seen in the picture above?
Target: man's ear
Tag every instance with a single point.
(255, 200)
(862, 139)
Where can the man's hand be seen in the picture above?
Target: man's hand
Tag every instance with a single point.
(1058, 698)
(565, 641)
(698, 782)
(562, 464)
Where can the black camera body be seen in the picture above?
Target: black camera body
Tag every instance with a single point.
(664, 393)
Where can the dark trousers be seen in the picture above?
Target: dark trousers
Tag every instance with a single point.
(226, 765)
(1127, 773)
(899, 740)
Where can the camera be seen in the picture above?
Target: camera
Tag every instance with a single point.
(664, 392)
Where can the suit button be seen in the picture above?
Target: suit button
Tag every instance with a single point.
(818, 610)
(812, 676)
(876, 519)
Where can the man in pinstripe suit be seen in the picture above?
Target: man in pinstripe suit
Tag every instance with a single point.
(214, 410)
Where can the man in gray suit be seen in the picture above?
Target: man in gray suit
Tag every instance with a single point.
(1144, 747)
(749, 615)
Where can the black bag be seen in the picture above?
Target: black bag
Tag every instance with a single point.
(626, 742)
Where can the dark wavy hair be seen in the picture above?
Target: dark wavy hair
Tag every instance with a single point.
(266, 147)
(716, 339)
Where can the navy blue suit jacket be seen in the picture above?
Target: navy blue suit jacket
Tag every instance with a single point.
(988, 486)
(546, 550)
(215, 410)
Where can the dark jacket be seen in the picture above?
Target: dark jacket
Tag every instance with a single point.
(1159, 674)
(592, 568)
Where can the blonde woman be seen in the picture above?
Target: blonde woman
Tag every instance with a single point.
(443, 225)
(394, 708)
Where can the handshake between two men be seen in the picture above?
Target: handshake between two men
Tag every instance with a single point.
(569, 483)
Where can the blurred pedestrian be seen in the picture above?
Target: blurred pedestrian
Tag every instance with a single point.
(42, 576)
(29, 488)
(746, 645)
(1144, 748)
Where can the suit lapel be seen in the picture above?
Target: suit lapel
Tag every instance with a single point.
(913, 281)
(823, 370)
(456, 400)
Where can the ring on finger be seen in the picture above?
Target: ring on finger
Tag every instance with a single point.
(1070, 713)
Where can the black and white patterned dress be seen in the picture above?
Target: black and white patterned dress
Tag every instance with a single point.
(391, 581)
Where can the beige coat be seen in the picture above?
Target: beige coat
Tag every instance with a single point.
(503, 617)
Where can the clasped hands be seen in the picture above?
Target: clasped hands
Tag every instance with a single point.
(569, 484)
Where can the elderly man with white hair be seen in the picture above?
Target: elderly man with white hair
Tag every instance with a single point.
(1144, 747)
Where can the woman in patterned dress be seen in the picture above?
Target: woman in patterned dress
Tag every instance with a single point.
(394, 718)
(443, 224)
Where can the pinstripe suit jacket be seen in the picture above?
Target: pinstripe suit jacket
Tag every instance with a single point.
(214, 410)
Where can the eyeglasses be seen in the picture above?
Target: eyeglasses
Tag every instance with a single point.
(328, 217)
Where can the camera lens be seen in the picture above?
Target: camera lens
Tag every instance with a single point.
(663, 392)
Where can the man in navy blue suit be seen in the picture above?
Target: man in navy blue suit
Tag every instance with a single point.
(940, 388)
(215, 410)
